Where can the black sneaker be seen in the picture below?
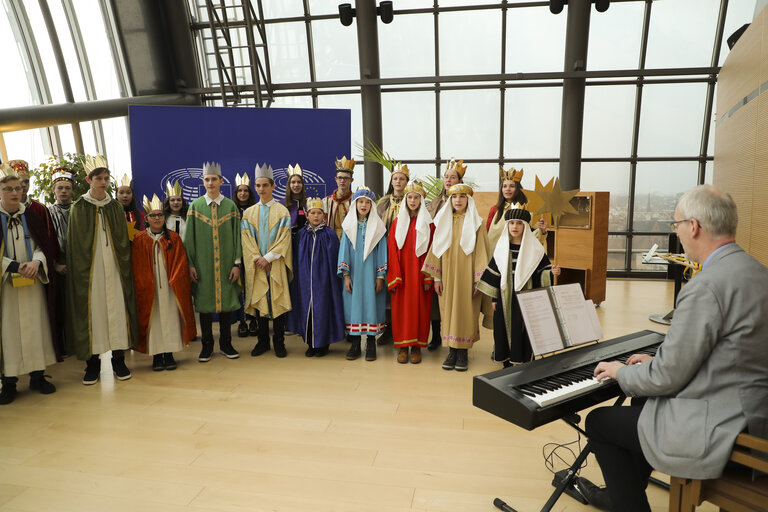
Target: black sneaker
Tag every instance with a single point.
(253, 328)
(354, 350)
(92, 371)
(41, 385)
(121, 371)
(158, 364)
(322, 351)
(8, 393)
(168, 361)
(260, 348)
(450, 361)
(228, 350)
(206, 353)
(242, 330)
(370, 350)
(280, 349)
(310, 352)
(462, 362)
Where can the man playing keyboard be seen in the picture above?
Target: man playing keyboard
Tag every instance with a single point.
(709, 379)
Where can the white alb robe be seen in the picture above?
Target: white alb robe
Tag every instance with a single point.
(165, 329)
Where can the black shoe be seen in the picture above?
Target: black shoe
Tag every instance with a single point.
(280, 349)
(260, 348)
(92, 371)
(8, 393)
(37, 382)
(206, 352)
(169, 363)
(242, 329)
(253, 328)
(385, 337)
(437, 340)
(118, 367)
(596, 496)
(158, 364)
(462, 362)
(370, 350)
(450, 361)
(226, 348)
(322, 351)
(354, 350)
(310, 352)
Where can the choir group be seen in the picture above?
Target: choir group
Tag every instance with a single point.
(113, 278)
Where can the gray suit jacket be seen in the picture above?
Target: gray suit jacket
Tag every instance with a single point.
(709, 379)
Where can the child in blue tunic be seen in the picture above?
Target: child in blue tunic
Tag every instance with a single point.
(363, 265)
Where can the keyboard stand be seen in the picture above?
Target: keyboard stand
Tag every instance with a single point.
(571, 473)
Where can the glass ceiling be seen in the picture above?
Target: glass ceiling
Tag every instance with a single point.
(643, 132)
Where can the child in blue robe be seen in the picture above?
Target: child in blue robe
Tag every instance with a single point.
(363, 266)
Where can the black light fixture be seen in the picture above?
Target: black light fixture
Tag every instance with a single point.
(385, 11)
(556, 6)
(602, 5)
(346, 14)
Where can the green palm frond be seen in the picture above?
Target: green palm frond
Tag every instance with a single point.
(373, 153)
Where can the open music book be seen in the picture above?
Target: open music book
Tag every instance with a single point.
(557, 317)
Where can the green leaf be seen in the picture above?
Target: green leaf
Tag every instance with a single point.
(42, 177)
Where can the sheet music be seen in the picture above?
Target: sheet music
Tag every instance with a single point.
(597, 328)
(540, 321)
(575, 314)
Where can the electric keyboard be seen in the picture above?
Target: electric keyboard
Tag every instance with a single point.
(544, 390)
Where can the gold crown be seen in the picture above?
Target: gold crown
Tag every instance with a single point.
(415, 186)
(20, 166)
(511, 174)
(124, 181)
(7, 170)
(345, 165)
(399, 167)
(453, 165)
(242, 180)
(314, 202)
(294, 171)
(461, 189)
(172, 190)
(92, 163)
(153, 205)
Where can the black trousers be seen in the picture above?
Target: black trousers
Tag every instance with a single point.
(278, 328)
(225, 327)
(612, 433)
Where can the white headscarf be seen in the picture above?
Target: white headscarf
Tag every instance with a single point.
(531, 252)
(374, 231)
(423, 220)
(444, 228)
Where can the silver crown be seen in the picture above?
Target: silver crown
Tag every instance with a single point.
(265, 171)
(211, 168)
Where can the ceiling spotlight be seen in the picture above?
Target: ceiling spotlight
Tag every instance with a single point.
(556, 6)
(602, 5)
(346, 13)
(385, 11)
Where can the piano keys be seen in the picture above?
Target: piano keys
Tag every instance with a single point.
(550, 388)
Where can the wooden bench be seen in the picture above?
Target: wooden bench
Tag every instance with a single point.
(735, 490)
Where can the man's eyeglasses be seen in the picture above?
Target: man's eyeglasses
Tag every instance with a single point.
(155, 215)
(674, 223)
(12, 189)
(343, 178)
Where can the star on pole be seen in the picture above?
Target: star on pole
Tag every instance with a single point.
(552, 199)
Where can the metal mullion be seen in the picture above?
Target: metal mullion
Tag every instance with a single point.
(263, 33)
(252, 53)
(212, 19)
(636, 134)
(310, 51)
(226, 31)
(503, 90)
(121, 66)
(438, 149)
(709, 103)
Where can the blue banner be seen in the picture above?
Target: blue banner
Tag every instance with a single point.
(172, 143)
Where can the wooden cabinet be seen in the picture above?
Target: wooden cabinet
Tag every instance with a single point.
(580, 244)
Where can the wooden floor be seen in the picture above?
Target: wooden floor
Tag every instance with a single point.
(268, 434)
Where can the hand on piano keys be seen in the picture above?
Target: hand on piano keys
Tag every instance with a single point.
(607, 370)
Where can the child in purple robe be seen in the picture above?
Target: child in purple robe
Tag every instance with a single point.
(318, 310)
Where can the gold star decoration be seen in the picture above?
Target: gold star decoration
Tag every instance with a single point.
(132, 231)
(550, 198)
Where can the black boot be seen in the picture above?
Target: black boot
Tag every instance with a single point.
(169, 363)
(242, 329)
(92, 370)
(370, 349)
(225, 335)
(450, 361)
(278, 336)
(37, 382)
(354, 350)
(263, 344)
(436, 338)
(206, 328)
(462, 360)
(118, 365)
(158, 364)
(206, 352)
(8, 393)
(253, 328)
(386, 336)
